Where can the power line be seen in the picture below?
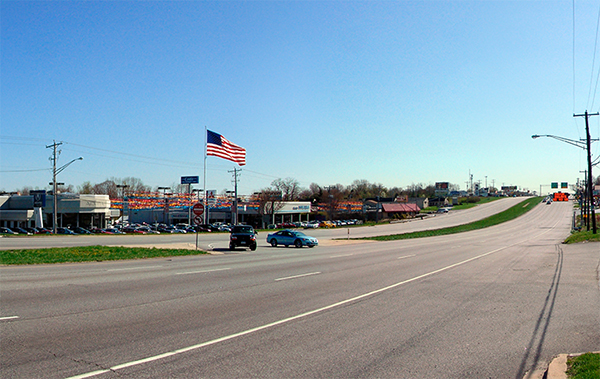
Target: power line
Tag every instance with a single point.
(594, 66)
(32, 170)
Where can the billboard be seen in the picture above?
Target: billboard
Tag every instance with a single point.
(441, 188)
(190, 180)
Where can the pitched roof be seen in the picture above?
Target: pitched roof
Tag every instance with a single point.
(400, 207)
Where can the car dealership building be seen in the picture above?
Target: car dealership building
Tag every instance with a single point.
(72, 210)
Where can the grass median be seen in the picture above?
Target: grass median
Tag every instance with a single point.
(86, 254)
(507, 215)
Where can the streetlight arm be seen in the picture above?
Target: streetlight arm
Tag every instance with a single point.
(579, 144)
(61, 169)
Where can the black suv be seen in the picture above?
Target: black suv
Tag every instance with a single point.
(242, 235)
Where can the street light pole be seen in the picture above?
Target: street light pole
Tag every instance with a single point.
(586, 146)
(55, 172)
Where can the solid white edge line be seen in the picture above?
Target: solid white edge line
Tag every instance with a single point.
(298, 276)
(8, 318)
(292, 318)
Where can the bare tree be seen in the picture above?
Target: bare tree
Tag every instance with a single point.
(269, 201)
(333, 195)
(107, 187)
(133, 184)
(288, 187)
(85, 188)
(25, 190)
(362, 189)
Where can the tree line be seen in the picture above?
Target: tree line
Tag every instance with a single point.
(287, 189)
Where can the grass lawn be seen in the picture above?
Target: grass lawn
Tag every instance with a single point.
(585, 366)
(86, 254)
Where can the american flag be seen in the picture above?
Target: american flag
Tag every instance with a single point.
(219, 146)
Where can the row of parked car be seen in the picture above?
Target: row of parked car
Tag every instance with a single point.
(32, 231)
(330, 224)
(117, 229)
(314, 224)
(26, 231)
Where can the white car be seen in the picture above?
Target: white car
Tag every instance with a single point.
(312, 225)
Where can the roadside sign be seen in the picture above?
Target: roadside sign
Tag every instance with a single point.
(198, 209)
(198, 220)
(190, 180)
(39, 198)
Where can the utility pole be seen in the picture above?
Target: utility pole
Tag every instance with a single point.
(54, 184)
(590, 183)
(236, 172)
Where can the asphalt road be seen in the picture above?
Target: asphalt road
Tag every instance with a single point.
(492, 303)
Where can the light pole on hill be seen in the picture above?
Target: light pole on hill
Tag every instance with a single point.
(586, 146)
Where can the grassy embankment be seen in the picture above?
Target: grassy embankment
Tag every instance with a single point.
(86, 254)
(509, 214)
(583, 236)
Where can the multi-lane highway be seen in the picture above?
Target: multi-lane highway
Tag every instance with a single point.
(493, 303)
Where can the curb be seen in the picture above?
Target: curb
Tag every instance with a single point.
(558, 367)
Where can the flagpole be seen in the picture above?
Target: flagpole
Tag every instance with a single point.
(206, 219)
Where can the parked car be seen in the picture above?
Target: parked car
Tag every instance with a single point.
(165, 229)
(65, 231)
(80, 230)
(146, 230)
(291, 237)
(328, 224)
(224, 228)
(7, 231)
(242, 235)
(98, 231)
(134, 229)
(22, 231)
(112, 231)
(312, 225)
(207, 228)
(285, 225)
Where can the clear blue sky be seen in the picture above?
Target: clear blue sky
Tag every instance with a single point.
(393, 92)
